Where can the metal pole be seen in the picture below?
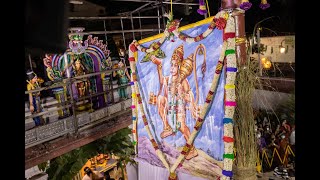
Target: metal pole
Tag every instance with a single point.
(30, 61)
(256, 27)
(113, 32)
(158, 19)
(69, 84)
(112, 17)
(140, 25)
(139, 8)
(163, 19)
(179, 3)
(258, 42)
(105, 29)
(123, 37)
(134, 0)
(132, 27)
(240, 34)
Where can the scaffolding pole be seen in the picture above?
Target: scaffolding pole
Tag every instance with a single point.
(163, 12)
(112, 17)
(132, 27)
(164, 2)
(140, 25)
(114, 32)
(141, 7)
(123, 37)
(159, 19)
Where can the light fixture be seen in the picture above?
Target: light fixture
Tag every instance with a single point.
(282, 48)
(75, 2)
(266, 63)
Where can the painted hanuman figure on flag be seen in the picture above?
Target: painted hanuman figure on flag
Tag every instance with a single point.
(175, 94)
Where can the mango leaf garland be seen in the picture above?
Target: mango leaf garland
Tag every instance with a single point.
(158, 53)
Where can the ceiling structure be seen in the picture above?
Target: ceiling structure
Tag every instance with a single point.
(147, 17)
(116, 17)
(145, 12)
(186, 9)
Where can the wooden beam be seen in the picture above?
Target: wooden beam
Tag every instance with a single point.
(49, 150)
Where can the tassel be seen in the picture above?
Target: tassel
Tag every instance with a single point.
(264, 4)
(173, 176)
(202, 8)
(245, 5)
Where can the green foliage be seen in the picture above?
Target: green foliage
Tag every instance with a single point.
(263, 48)
(43, 166)
(120, 145)
(158, 53)
(65, 167)
(286, 110)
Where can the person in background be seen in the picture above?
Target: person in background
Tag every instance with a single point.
(261, 142)
(92, 175)
(107, 175)
(123, 79)
(262, 146)
(267, 132)
(284, 129)
(124, 56)
(34, 82)
(281, 169)
(273, 126)
(277, 129)
(260, 127)
(88, 174)
(292, 139)
(265, 122)
(286, 125)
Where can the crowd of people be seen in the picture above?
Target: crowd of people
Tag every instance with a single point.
(272, 135)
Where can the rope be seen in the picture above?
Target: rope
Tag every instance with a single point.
(264, 156)
(208, 8)
(275, 151)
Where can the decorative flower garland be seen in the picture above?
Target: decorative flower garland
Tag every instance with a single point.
(134, 117)
(230, 98)
(216, 22)
(221, 21)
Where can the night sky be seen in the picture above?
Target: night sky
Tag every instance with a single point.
(284, 9)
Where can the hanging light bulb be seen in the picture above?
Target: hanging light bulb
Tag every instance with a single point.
(264, 4)
(202, 8)
(245, 5)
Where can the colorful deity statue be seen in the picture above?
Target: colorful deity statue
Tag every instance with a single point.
(76, 41)
(106, 80)
(82, 85)
(83, 56)
(34, 82)
(59, 92)
(123, 79)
